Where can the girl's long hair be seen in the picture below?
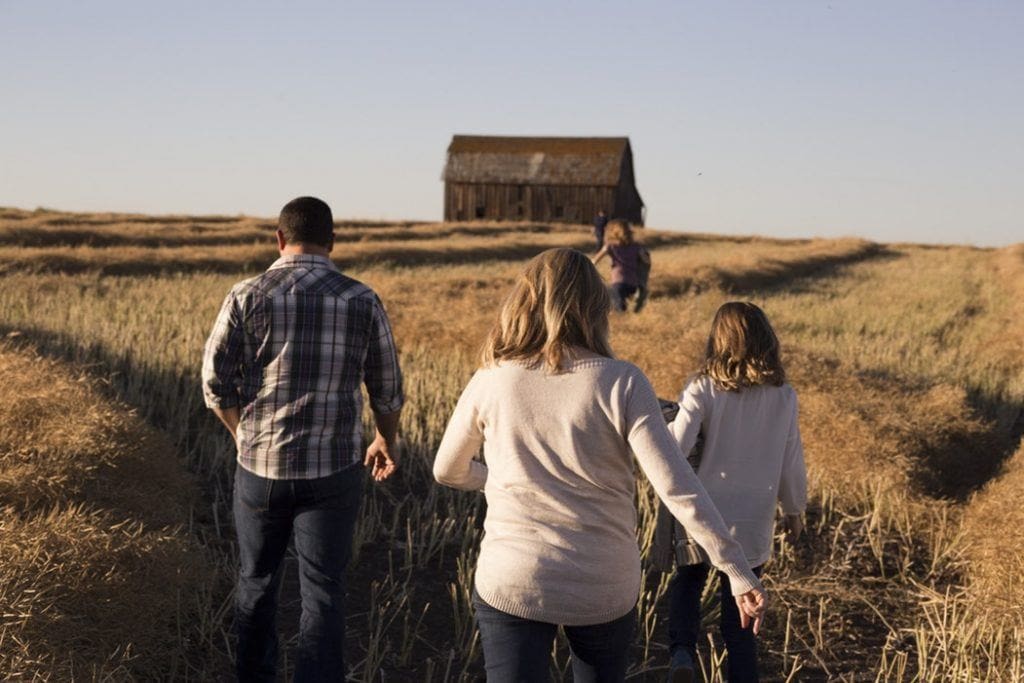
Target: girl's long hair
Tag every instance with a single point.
(619, 233)
(557, 303)
(742, 349)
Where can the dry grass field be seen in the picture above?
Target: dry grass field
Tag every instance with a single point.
(908, 361)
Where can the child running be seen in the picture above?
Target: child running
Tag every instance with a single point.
(631, 265)
(746, 413)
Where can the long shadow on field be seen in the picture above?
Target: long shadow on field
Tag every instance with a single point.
(345, 254)
(196, 235)
(201, 234)
(948, 440)
(794, 275)
(71, 263)
(252, 263)
(770, 274)
(963, 437)
(115, 219)
(136, 526)
(172, 403)
(59, 218)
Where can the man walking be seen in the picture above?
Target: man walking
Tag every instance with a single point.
(282, 370)
(600, 223)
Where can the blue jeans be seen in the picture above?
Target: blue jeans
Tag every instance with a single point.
(517, 649)
(684, 620)
(322, 513)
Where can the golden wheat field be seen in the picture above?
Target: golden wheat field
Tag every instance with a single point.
(114, 480)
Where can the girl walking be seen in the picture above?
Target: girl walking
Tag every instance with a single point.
(559, 420)
(745, 413)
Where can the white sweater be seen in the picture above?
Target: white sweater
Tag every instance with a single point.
(752, 456)
(559, 540)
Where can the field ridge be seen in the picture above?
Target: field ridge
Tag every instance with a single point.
(905, 358)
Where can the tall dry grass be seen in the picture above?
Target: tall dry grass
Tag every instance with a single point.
(101, 577)
(994, 524)
(895, 351)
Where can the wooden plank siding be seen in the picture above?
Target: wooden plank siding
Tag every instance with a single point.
(548, 203)
(540, 179)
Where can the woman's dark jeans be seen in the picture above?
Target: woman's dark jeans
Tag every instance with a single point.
(517, 649)
(322, 514)
(619, 292)
(684, 620)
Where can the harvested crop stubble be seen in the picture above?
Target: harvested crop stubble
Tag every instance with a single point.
(253, 256)
(921, 314)
(455, 302)
(48, 230)
(898, 354)
(97, 579)
(758, 265)
(923, 438)
(1007, 344)
(995, 517)
(995, 533)
(133, 260)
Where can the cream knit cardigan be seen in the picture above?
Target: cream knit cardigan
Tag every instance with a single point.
(559, 541)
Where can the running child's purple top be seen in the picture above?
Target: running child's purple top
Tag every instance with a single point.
(625, 259)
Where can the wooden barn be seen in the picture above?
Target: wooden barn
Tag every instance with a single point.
(540, 179)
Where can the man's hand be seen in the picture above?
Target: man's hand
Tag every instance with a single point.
(381, 458)
(794, 525)
(752, 605)
(230, 417)
(382, 454)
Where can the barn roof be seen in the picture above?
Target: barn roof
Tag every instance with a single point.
(535, 161)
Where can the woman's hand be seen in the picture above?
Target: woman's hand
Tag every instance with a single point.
(752, 605)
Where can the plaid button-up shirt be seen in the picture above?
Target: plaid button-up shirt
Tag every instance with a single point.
(291, 348)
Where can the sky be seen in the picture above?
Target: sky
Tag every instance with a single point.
(889, 120)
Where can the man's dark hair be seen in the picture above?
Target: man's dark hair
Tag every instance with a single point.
(307, 220)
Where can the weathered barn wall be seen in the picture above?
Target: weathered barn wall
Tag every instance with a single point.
(495, 201)
(540, 179)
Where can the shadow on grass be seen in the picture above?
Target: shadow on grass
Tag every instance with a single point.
(964, 445)
(120, 526)
(171, 402)
(56, 230)
(260, 258)
(770, 275)
(197, 235)
(205, 235)
(157, 232)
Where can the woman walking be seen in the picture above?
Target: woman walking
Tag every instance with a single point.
(559, 418)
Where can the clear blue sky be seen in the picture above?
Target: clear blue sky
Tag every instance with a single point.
(890, 120)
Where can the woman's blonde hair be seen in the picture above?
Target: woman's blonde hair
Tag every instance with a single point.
(742, 349)
(618, 233)
(558, 302)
